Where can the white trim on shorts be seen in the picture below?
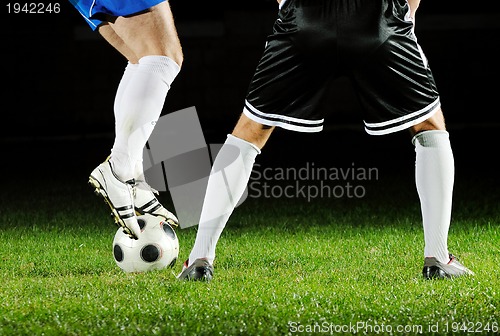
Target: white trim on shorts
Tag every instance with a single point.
(289, 123)
(90, 8)
(403, 122)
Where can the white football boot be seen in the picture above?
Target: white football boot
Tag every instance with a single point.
(145, 202)
(118, 195)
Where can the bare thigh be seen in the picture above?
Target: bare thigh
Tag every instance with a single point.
(148, 33)
(109, 35)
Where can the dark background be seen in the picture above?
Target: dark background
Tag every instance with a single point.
(60, 79)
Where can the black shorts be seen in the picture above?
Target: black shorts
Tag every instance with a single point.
(371, 42)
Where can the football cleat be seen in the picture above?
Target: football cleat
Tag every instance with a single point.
(434, 269)
(118, 195)
(200, 270)
(145, 202)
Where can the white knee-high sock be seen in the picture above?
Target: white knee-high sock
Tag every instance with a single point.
(226, 185)
(435, 176)
(127, 75)
(137, 107)
(126, 78)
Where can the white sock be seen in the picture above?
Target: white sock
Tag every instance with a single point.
(434, 176)
(127, 75)
(139, 171)
(226, 185)
(137, 107)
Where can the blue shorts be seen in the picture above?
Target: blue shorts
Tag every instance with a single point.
(95, 12)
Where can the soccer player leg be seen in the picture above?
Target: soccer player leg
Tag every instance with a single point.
(117, 192)
(140, 108)
(434, 177)
(227, 183)
(152, 39)
(137, 110)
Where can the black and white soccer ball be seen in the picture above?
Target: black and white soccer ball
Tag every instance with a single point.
(157, 247)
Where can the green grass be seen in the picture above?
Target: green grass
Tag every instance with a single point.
(283, 266)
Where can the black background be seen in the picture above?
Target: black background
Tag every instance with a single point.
(60, 78)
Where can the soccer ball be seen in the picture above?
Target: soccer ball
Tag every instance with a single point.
(156, 248)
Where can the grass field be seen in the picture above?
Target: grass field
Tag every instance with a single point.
(290, 267)
(284, 266)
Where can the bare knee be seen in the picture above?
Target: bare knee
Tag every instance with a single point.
(150, 33)
(252, 131)
(176, 55)
(435, 122)
(164, 39)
